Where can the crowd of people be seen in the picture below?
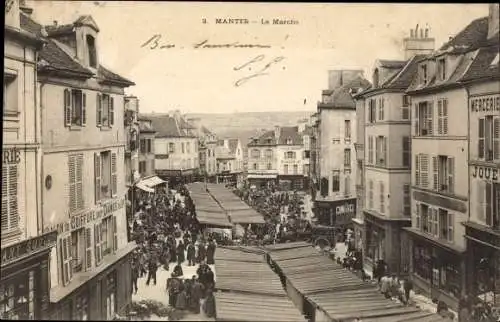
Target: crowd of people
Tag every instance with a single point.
(168, 234)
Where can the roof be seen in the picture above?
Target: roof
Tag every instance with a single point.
(233, 145)
(264, 138)
(342, 98)
(207, 210)
(474, 35)
(206, 131)
(308, 130)
(54, 56)
(392, 63)
(145, 126)
(290, 132)
(168, 126)
(481, 67)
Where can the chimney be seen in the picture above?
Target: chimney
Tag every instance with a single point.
(417, 44)
(493, 20)
(24, 8)
(277, 131)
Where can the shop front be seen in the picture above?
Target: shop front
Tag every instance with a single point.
(262, 180)
(437, 270)
(24, 282)
(228, 177)
(337, 213)
(291, 182)
(176, 177)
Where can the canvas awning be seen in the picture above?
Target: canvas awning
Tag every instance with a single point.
(143, 187)
(262, 176)
(152, 181)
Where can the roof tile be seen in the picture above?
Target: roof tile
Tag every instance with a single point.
(292, 133)
(481, 67)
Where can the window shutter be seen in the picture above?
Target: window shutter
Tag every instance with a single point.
(480, 136)
(417, 129)
(114, 183)
(430, 116)
(115, 234)
(72, 183)
(97, 244)
(5, 199)
(99, 110)
(84, 109)
(445, 116)
(496, 138)
(451, 172)
(384, 147)
(435, 172)
(440, 116)
(79, 181)
(67, 107)
(417, 215)
(111, 111)
(66, 255)
(97, 174)
(481, 191)
(417, 169)
(382, 198)
(488, 203)
(88, 248)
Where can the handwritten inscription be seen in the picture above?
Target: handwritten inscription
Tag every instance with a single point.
(487, 173)
(260, 72)
(156, 42)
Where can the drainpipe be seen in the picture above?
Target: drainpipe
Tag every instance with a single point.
(467, 259)
(39, 155)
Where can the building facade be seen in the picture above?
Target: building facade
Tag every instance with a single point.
(229, 156)
(482, 229)
(84, 180)
(335, 202)
(176, 148)
(131, 124)
(262, 164)
(146, 148)
(290, 158)
(358, 220)
(25, 249)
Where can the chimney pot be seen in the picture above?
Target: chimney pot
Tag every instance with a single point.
(427, 33)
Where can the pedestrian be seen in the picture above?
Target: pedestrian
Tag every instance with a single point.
(385, 283)
(173, 290)
(209, 305)
(191, 253)
(135, 275)
(201, 252)
(210, 252)
(408, 286)
(180, 252)
(196, 295)
(152, 268)
(177, 271)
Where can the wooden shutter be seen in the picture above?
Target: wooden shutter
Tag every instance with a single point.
(10, 214)
(66, 259)
(417, 129)
(114, 183)
(481, 138)
(384, 150)
(424, 170)
(445, 116)
(488, 203)
(5, 199)
(434, 225)
(451, 172)
(79, 181)
(97, 244)
(97, 176)
(496, 138)
(430, 117)
(417, 216)
(67, 107)
(111, 110)
(417, 169)
(115, 234)
(440, 116)
(481, 192)
(88, 248)
(382, 197)
(84, 109)
(435, 173)
(72, 183)
(99, 110)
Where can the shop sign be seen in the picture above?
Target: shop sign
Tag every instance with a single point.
(489, 103)
(28, 247)
(488, 173)
(80, 220)
(11, 156)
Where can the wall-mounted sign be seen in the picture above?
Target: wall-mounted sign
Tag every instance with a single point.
(28, 247)
(11, 156)
(482, 172)
(487, 103)
(80, 220)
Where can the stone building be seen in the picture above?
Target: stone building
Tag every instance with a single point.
(262, 168)
(290, 158)
(82, 125)
(229, 156)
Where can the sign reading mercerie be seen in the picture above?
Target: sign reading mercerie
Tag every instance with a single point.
(80, 220)
(28, 247)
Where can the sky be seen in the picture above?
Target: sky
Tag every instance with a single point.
(207, 80)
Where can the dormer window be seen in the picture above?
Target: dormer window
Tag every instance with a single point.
(375, 78)
(92, 51)
(423, 74)
(442, 69)
(494, 62)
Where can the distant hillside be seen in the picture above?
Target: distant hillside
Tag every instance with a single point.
(246, 125)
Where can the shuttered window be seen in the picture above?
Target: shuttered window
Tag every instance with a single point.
(76, 198)
(418, 220)
(435, 173)
(98, 243)
(406, 151)
(451, 174)
(370, 149)
(67, 107)
(114, 182)
(416, 118)
(97, 176)
(370, 194)
(10, 212)
(111, 111)
(98, 110)
(424, 170)
(481, 138)
(405, 113)
(417, 169)
(347, 185)
(406, 201)
(382, 198)
(496, 138)
(67, 272)
(115, 234)
(443, 116)
(88, 248)
(84, 109)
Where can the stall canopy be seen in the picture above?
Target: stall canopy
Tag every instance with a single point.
(148, 184)
(143, 187)
(208, 211)
(337, 292)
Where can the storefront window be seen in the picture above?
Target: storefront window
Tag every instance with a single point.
(17, 300)
(422, 261)
(81, 308)
(111, 295)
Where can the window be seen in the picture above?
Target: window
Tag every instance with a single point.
(446, 225)
(148, 146)
(370, 149)
(442, 69)
(269, 166)
(370, 194)
(347, 185)
(255, 166)
(183, 147)
(98, 237)
(443, 173)
(381, 114)
(81, 308)
(77, 250)
(424, 214)
(92, 51)
(381, 150)
(422, 170)
(418, 219)
(406, 151)
(255, 154)
(336, 180)
(406, 200)
(188, 147)
(433, 222)
(371, 110)
(307, 154)
(108, 234)
(285, 168)
(382, 198)
(347, 158)
(142, 144)
(289, 141)
(347, 127)
(105, 110)
(142, 167)
(290, 155)
(75, 164)
(75, 108)
(67, 271)
(171, 148)
(423, 74)
(10, 212)
(111, 295)
(105, 170)
(10, 93)
(295, 169)
(423, 118)
(443, 116)
(489, 203)
(306, 169)
(489, 138)
(17, 297)
(405, 110)
(268, 154)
